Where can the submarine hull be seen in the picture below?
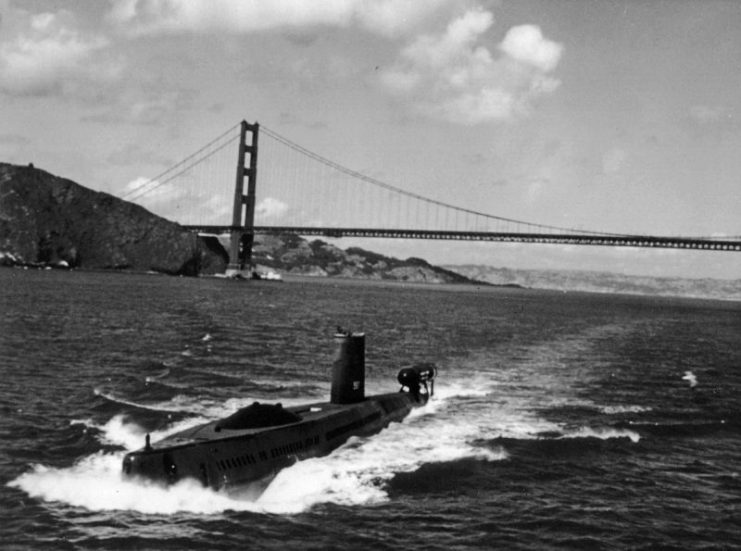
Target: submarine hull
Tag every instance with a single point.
(256, 442)
(226, 459)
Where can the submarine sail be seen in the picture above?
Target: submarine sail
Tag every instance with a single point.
(256, 442)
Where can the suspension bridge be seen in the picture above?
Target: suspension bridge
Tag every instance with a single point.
(306, 194)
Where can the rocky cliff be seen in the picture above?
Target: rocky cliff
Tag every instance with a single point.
(49, 220)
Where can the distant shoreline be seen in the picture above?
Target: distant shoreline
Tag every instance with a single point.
(340, 280)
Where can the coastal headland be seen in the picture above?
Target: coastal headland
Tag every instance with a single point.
(50, 221)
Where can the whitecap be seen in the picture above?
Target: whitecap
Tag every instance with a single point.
(613, 410)
(602, 433)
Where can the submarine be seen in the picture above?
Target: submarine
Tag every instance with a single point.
(253, 444)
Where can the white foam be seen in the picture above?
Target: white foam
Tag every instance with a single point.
(612, 410)
(152, 378)
(159, 406)
(181, 403)
(119, 431)
(95, 483)
(462, 413)
(456, 389)
(354, 474)
(603, 434)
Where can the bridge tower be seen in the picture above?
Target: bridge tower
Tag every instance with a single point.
(243, 217)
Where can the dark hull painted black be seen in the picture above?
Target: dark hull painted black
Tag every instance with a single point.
(256, 442)
(227, 458)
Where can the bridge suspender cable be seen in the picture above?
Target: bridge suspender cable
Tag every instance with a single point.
(186, 164)
(373, 181)
(230, 136)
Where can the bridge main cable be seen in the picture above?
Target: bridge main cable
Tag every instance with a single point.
(143, 189)
(375, 182)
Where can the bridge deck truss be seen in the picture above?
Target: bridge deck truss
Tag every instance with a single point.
(502, 237)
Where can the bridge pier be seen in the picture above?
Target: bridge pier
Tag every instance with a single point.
(243, 214)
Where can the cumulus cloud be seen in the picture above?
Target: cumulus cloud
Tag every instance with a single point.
(527, 44)
(452, 76)
(270, 208)
(381, 16)
(46, 53)
(183, 204)
(393, 17)
(149, 193)
(216, 209)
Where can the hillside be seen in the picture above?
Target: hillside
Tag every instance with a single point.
(295, 255)
(48, 220)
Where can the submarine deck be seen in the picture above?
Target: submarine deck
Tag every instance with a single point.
(313, 413)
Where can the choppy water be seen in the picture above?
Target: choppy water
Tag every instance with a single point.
(561, 420)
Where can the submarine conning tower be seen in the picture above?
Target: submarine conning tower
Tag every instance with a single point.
(348, 369)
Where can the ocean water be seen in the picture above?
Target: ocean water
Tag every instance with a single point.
(561, 420)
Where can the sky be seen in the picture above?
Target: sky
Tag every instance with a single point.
(610, 115)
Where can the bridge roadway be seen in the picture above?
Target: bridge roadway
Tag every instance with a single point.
(647, 241)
